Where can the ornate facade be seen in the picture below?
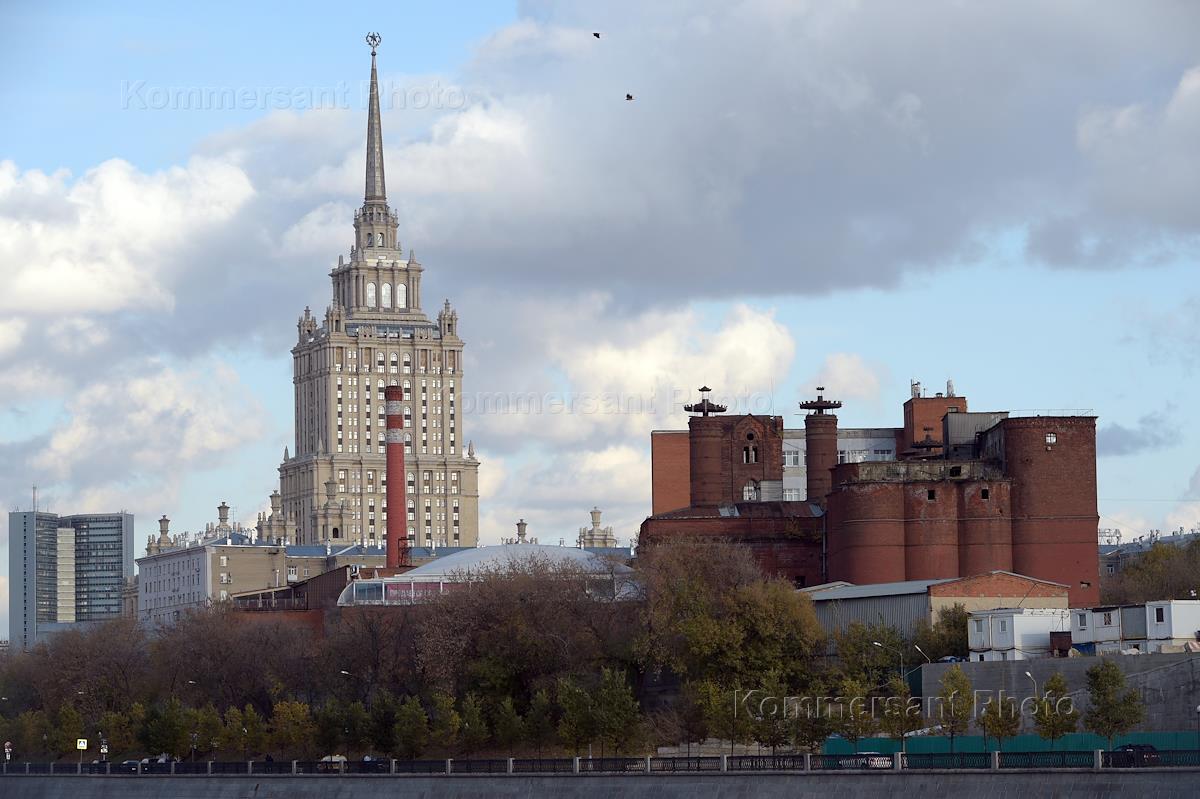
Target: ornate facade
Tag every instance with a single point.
(374, 333)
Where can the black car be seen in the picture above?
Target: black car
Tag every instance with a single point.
(1133, 756)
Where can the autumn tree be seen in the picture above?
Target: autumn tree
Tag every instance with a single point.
(947, 636)
(1000, 719)
(955, 704)
(474, 731)
(507, 727)
(615, 710)
(1112, 710)
(901, 714)
(292, 729)
(853, 717)
(412, 728)
(1055, 714)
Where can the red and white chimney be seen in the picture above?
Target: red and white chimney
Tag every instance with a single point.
(397, 502)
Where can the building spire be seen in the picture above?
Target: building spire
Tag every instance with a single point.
(376, 191)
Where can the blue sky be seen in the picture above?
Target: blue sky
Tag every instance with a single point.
(876, 195)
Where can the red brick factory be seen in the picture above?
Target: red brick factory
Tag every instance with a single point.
(950, 494)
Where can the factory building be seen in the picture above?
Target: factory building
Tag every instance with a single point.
(959, 493)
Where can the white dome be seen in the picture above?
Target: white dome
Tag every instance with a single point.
(432, 578)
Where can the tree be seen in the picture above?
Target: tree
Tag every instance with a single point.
(474, 731)
(244, 731)
(507, 727)
(446, 722)
(539, 720)
(1113, 710)
(164, 729)
(114, 727)
(67, 729)
(329, 733)
(1000, 719)
(383, 722)
(1055, 714)
(726, 713)
(356, 725)
(412, 728)
(616, 711)
(577, 720)
(864, 662)
(901, 714)
(811, 724)
(292, 728)
(772, 725)
(205, 724)
(854, 718)
(954, 703)
(947, 636)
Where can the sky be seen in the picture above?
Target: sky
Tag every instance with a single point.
(837, 193)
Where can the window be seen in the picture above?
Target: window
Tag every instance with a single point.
(224, 560)
(1051, 438)
(1083, 621)
(379, 239)
(750, 492)
(370, 295)
(1003, 625)
(401, 295)
(1110, 568)
(1107, 619)
(1159, 615)
(385, 295)
(984, 494)
(791, 495)
(791, 457)
(1004, 656)
(981, 658)
(931, 494)
(979, 625)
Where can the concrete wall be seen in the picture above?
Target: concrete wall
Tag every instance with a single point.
(1169, 684)
(1065, 785)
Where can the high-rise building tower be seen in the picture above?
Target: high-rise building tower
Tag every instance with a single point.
(375, 334)
(64, 570)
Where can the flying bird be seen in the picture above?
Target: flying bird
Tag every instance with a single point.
(629, 97)
(597, 35)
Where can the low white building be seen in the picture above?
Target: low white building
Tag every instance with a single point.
(1014, 633)
(1172, 623)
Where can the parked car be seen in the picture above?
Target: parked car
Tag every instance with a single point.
(126, 767)
(870, 760)
(1134, 756)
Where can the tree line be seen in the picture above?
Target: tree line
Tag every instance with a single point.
(531, 659)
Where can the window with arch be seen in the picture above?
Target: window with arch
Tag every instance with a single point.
(370, 295)
(385, 295)
(412, 510)
(379, 239)
(407, 389)
(401, 295)
(407, 416)
(408, 443)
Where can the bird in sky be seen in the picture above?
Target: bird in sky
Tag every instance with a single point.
(629, 97)
(597, 35)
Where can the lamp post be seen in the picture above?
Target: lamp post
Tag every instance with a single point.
(898, 652)
(922, 651)
(1036, 695)
(195, 736)
(1198, 728)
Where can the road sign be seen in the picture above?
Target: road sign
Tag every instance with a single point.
(104, 749)
(81, 743)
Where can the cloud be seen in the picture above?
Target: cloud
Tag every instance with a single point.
(846, 375)
(1153, 431)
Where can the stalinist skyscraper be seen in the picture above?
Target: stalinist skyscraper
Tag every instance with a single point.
(375, 334)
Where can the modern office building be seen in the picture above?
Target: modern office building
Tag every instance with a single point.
(65, 570)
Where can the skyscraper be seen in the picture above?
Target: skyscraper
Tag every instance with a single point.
(374, 334)
(64, 570)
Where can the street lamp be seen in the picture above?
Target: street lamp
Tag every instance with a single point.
(1036, 695)
(898, 653)
(922, 651)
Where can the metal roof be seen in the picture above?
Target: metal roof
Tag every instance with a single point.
(874, 590)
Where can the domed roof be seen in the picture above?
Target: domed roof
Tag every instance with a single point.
(431, 579)
(504, 556)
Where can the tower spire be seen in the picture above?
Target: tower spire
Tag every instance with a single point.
(376, 191)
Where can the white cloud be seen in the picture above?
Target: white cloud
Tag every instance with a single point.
(848, 375)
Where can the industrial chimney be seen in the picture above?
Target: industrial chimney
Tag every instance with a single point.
(397, 518)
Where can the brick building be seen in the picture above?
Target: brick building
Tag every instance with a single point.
(959, 494)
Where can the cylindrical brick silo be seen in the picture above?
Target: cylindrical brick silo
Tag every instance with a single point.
(930, 530)
(865, 533)
(984, 527)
